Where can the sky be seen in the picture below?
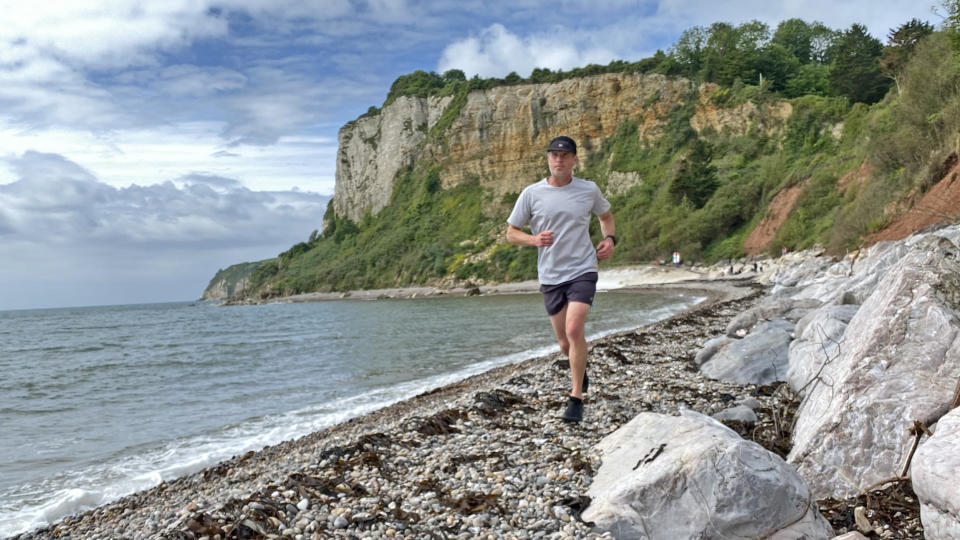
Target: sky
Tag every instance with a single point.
(146, 144)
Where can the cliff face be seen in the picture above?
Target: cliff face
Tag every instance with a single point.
(229, 282)
(500, 134)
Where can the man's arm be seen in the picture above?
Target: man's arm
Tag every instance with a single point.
(517, 237)
(607, 227)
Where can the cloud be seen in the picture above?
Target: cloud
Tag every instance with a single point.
(155, 154)
(193, 81)
(79, 241)
(495, 52)
(55, 201)
(108, 34)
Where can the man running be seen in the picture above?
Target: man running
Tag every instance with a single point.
(558, 210)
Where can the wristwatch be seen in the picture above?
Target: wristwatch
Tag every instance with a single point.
(612, 237)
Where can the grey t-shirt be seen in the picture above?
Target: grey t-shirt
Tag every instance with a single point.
(565, 210)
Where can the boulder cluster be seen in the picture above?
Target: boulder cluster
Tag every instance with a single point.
(871, 346)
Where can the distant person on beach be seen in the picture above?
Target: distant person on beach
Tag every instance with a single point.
(558, 210)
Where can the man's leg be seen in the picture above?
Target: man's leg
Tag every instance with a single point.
(576, 320)
(559, 323)
(568, 324)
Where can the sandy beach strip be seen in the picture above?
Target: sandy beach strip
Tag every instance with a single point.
(626, 277)
(484, 457)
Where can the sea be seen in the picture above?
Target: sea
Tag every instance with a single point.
(99, 402)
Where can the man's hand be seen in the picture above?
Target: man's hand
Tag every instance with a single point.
(543, 239)
(605, 249)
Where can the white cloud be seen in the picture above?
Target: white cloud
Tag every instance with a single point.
(107, 34)
(188, 80)
(55, 200)
(153, 155)
(496, 51)
(80, 241)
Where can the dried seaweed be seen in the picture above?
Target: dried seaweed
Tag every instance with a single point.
(440, 423)
(492, 404)
(474, 503)
(893, 507)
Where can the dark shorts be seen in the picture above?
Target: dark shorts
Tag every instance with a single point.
(579, 289)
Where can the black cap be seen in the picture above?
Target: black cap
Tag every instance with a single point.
(563, 144)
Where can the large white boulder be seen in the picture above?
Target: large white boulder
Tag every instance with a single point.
(898, 361)
(689, 476)
(769, 310)
(759, 358)
(818, 338)
(935, 471)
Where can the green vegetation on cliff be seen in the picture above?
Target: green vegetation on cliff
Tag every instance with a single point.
(860, 110)
(229, 282)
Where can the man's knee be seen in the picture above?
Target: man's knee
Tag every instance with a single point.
(574, 332)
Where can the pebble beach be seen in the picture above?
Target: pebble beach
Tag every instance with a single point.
(485, 457)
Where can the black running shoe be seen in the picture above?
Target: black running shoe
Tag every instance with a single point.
(574, 412)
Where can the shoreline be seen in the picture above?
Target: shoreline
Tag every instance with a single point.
(623, 277)
(173, 506)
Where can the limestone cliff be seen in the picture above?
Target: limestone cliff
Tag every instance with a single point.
(229, 282)
(499, 135)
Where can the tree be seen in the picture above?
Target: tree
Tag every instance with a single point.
(901, 43)
(418, 84)
(796, 36)
(512, 78)
(453, 75)
(734, 52)
(542, 75)
(822, 43)
(696, 178)
(812, 78)
(951, 21)
(777, 65)
(855, 71)
(688, 50)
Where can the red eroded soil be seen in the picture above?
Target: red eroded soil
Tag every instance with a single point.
(941, 203)
(761, 236)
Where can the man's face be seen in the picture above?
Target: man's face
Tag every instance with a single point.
(561, 163)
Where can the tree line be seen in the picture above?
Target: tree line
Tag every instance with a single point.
(797, 58)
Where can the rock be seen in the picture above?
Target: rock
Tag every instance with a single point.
(759, 358)
(899, 362)
(753, 403)
(740, 413)
(861, 520)
(852, 535)
(818, 340)
(710, 348)
(303, 505)
(688, 476)
(777, 308)
(934, 474)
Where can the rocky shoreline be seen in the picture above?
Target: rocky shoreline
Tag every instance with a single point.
(486, 457)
